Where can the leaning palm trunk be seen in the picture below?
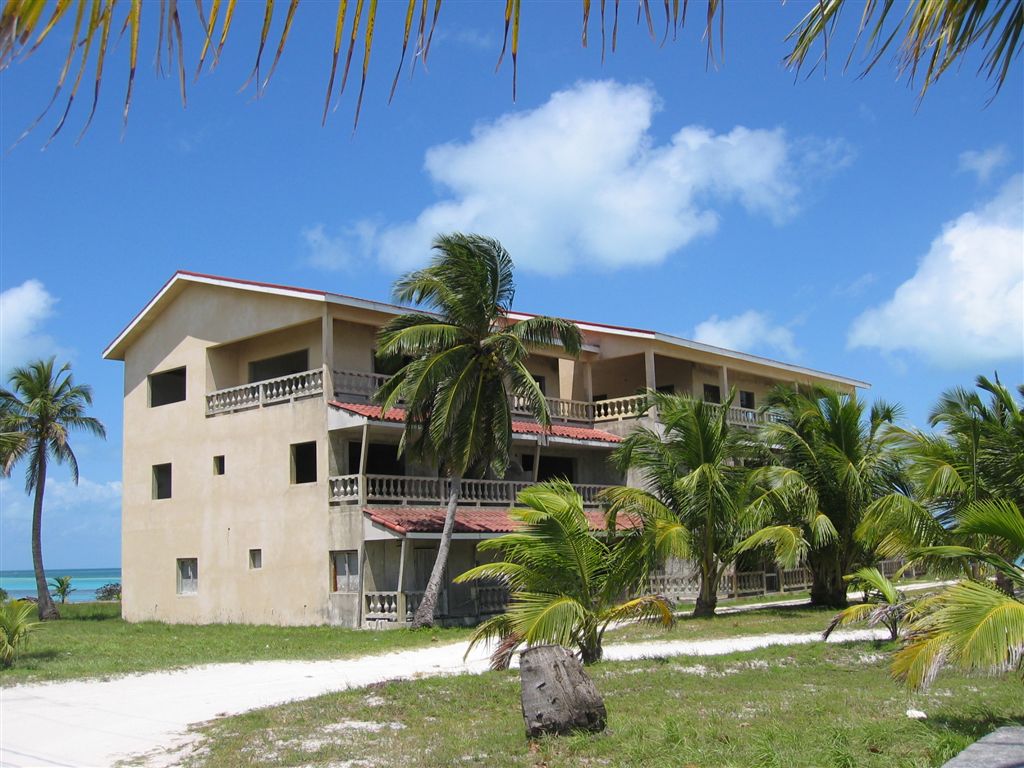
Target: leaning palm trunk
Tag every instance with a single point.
(428, 606)
(47, 609)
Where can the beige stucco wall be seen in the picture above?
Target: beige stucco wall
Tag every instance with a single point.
(217, 519)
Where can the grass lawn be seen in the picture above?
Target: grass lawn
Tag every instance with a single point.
(91, 640)
(820, 705)
(782, 619)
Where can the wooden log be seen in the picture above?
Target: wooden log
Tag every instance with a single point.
(557, 695)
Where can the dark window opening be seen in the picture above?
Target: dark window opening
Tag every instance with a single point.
(345, 571)
(303, 463)
(747, 399)
(712, 393)
(390, 365)
(218, 465)
(599, 398)
(542, 384)
(556, 467)
(282, 365)
(381, 459)
(255, 559)
(527, 462)
(161, 481)
(188, 576)
(167, 387)
(666, 389)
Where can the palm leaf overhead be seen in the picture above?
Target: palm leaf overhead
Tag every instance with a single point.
(928, 36)
(463, 359)
(566, 581)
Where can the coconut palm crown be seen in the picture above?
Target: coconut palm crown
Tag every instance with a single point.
(465, 359)
(567, 582)
(883, 604)
(42, 408)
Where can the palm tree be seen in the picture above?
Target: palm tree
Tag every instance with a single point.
(566, 582)
(692, 472)
(43, 406)
(61, 587)
(466, 360)
(847, 460)
(972, 624)
(978, 454)
(928, 36)
(883, 604)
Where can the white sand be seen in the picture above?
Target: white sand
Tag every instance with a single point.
(98, 722)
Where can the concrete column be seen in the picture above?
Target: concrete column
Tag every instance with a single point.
(588, 382)
(651, 380)
(536, 461)
(327, 351)
(723, 382)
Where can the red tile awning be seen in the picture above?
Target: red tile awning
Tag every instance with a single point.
(519, 427)
(405, 520)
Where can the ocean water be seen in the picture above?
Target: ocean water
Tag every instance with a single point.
(85, 582)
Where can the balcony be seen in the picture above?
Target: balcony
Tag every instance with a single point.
(407, 490)
(396, 608)
(283, 389)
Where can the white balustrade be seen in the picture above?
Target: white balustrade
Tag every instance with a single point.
(344, 488)
(558, 409)
(279, 390)
(358, 383)
(410, 489)
(619, 408)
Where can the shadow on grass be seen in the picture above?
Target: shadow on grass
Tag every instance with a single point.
(973, 726)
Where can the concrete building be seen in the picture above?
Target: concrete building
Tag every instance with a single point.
(262, 486)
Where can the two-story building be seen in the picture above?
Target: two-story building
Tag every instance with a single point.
(261, 485)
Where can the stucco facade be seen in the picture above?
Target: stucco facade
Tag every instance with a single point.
(261, 498)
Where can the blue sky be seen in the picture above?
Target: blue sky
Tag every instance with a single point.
(830, 221)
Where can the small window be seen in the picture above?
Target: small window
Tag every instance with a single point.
(255, 559)
(345, 571)
(161, 481)
(303, 463)
(527, 462)
(712, 393)
(282, 365)
(188, 575)
(541, 384)
(667, 389)
(747, 400)
(167, 387)
(218, 465)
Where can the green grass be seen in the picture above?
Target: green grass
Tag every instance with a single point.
(91, 640)
(820, 705)
(782, 619)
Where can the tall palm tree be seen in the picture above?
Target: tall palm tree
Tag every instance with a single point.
(927, 36)
(466, 360)
(849, 461)
(972, 624)
(566, 581)
(43, 406)
(692, 472)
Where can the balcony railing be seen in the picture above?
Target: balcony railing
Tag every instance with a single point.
(357, 383)
(280, 390)
(558, 409)
(400, 607)
(412, 490)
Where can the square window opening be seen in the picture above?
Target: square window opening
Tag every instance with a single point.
(281, 365)
(188, 575)
(166, 387)
(345, 571)
(712, 393)
(303, 463)
(255, 559)
(161, 481)
(747, 400)
(218, 465)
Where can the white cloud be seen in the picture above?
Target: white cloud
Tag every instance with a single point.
(23, 309)
(337, 251)
(965, 304)
(748, 332)
(982, 163)
(65, 505)
(581, 181)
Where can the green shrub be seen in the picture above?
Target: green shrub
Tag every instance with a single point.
(15, 627)
(109, 592)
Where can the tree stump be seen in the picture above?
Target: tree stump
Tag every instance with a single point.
(557, 695)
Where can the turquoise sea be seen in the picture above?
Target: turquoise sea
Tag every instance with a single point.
(85, 582)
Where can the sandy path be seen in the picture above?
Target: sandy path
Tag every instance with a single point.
(98, 722)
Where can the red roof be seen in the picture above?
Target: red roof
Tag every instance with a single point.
(476, 520)
(520, 427)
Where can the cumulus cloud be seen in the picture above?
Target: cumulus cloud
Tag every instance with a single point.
(581, 181)
(748, 332)
(64, 503)
(337, 252)
(982, 163)
(23, 309)
(965, 304)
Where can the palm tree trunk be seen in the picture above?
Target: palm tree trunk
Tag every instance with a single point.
(707, 595)
(828, 588)
(428, 606)
(47, 610)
